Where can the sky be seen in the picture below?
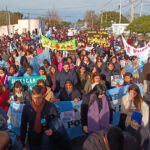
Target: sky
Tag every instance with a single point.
(71, 10)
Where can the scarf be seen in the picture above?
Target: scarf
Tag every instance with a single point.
(37, 122)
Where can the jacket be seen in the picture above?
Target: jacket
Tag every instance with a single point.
(63, 76)
(3, 100)
(7, 78)
(48, 81)
(28, 117)
(2, 79)
(146, 71)
(95, 141)
(49, 96)
(106, 75)
(33, 74)
(126, 108)
(64, 96)
(88, 85)
(85, 106)
(26, 97)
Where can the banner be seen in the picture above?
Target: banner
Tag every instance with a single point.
(28, 81)
(115, 95)
(71, 118)
(37, 61)
(98, 37)
(141, 53)
(69, 45)
(14, 114)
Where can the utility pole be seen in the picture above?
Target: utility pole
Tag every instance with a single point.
(92, 18)
(7, 20)
(29, 22)
(132, 11)
(101, 17)
(120, 12)
(141, 8)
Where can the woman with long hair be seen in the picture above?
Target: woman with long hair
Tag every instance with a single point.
(13, 72)
(133, 102)
(42, 72)
(95, 110)
(83, 77)
(53, 74)
(93, 81)
(99, 63)
(87, 63)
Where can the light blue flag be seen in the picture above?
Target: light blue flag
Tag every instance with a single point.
(10, 48)
(37, 61)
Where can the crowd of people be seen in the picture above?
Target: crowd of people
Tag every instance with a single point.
(84, 74)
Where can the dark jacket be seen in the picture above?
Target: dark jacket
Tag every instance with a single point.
(146, 71)
(63, 76)
(95, 141)
(48, 81)
(117, 68)
(26, 97)
(106, 75)
(28, 118)
(64, 96)
(88, 67)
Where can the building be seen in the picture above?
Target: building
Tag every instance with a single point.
(23, 26)
(119, 28)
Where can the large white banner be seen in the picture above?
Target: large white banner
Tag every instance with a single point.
(141, 53)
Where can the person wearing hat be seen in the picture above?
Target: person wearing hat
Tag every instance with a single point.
(138, 131)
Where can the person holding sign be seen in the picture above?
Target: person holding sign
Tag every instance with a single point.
(95, 110)
(130, 103)
(19, 94)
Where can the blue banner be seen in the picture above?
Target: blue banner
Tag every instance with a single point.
(37, 61)
(71, 118)
(115, 95)
(14, 114)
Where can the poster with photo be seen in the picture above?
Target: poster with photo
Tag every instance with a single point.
(117, 80)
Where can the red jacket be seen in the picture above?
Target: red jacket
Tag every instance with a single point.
(3, 98)
(2, 79)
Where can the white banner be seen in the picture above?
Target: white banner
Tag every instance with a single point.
(141, 53)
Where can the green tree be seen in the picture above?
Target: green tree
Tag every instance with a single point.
(4, 17)
(14, 17)
(107, 18)
(140, 25)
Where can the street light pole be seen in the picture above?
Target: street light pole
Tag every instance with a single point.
(120, 12)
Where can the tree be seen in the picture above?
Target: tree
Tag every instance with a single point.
(91, 18)
(13, 17)
(65, 24)
(107, 18)
(53, 18)
(140, 25)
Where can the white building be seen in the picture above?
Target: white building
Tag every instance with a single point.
(23, 26)
(119, 28)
